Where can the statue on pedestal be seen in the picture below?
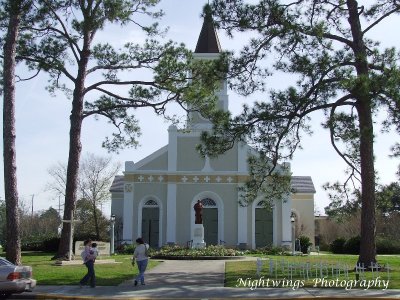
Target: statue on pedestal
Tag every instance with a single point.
(198, 208)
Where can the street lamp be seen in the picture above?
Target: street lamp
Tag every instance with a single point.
(112, 221)
(292, 220)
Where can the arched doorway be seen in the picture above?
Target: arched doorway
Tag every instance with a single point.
(210, 221)
(151, 222)
(263, 219)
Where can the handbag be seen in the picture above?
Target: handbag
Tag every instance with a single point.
(133, 261)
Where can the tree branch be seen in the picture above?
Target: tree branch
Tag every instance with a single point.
(380, 19)
(65, 33)
(332, 137)
(96, 85)
(29, 78)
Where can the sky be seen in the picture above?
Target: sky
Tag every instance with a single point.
(43, 121)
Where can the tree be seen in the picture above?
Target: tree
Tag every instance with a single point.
(39, 225)
(96, 177)
(65, 46)
(2, 222)
(13, 13)
(338, 69)
(50, 221)
(58, 173)
(88, 227)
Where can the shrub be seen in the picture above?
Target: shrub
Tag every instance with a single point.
(324, 247)
(50, 244)
(337, 246)
(352, 245)
(387, 246)
(304, 243)
(179, 251)
(125, 249)
(268, 250)
(47, 243)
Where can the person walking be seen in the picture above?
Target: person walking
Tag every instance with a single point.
(141, 257)
(88, 257)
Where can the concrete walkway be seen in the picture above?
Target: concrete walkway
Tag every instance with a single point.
(197, 279)
(208, 273)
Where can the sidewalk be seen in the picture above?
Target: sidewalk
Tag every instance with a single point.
(198, 279)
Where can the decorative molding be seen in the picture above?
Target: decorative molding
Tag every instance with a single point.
(128, 188)
(186, 178)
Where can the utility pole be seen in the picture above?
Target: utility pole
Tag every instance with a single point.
(33, 195)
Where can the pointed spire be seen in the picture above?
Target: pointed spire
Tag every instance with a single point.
(208, 40)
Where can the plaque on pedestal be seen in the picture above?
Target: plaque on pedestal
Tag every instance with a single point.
(198, 236)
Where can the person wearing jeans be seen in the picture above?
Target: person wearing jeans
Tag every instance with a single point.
(88, 259)
(141, 257)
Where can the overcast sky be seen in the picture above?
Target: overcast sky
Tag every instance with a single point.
(43, 121)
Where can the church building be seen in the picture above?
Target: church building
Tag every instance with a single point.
(154, 199)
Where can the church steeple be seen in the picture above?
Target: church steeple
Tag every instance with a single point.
(208, 40)
(208, 48)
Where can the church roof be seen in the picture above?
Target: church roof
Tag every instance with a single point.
(118, 184)
(302, 184)
(208, 41)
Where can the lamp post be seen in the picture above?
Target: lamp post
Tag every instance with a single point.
(112, 221)
(292, 220)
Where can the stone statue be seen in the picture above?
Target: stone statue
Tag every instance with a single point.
(198, 208)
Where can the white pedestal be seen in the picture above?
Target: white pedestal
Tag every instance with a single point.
(198, 236)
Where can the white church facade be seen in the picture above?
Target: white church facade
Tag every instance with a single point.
(154, 199)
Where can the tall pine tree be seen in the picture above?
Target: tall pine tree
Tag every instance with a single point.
(327, 47)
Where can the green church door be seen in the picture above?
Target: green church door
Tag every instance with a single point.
(210, 223)
(263, 227)
(150, 225)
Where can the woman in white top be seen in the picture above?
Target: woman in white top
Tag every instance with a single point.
(140, 255)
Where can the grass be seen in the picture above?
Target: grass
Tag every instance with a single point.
(46, 273)
(244, 273)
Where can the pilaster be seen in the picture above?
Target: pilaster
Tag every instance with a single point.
(171, 213)
(128, 213)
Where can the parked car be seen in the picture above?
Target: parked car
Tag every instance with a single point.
(15, 279)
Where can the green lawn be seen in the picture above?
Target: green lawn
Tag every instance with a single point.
(243, 273)
(46, 273)
(236, 272)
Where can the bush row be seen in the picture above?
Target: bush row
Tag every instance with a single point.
(352, 246)
(41, 243)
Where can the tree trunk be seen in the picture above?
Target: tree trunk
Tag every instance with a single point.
(75, 148)
(96, 221)
(368, 222)
(13, 241)
(363, 99)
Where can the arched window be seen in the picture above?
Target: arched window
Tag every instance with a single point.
(264, 204)
(150, 203)
(261, 204)
(207, 202)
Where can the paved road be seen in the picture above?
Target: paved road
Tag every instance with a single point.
(200, 279)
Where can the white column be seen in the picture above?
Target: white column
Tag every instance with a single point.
(242, 221)
(286, 212)
(128, 213)
(172, 148)
(242, 224)
(242, 157)
(274, 225)
(171, 213)
(286, 224)
(242, 211)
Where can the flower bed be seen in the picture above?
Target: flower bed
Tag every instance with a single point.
(210, 252)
